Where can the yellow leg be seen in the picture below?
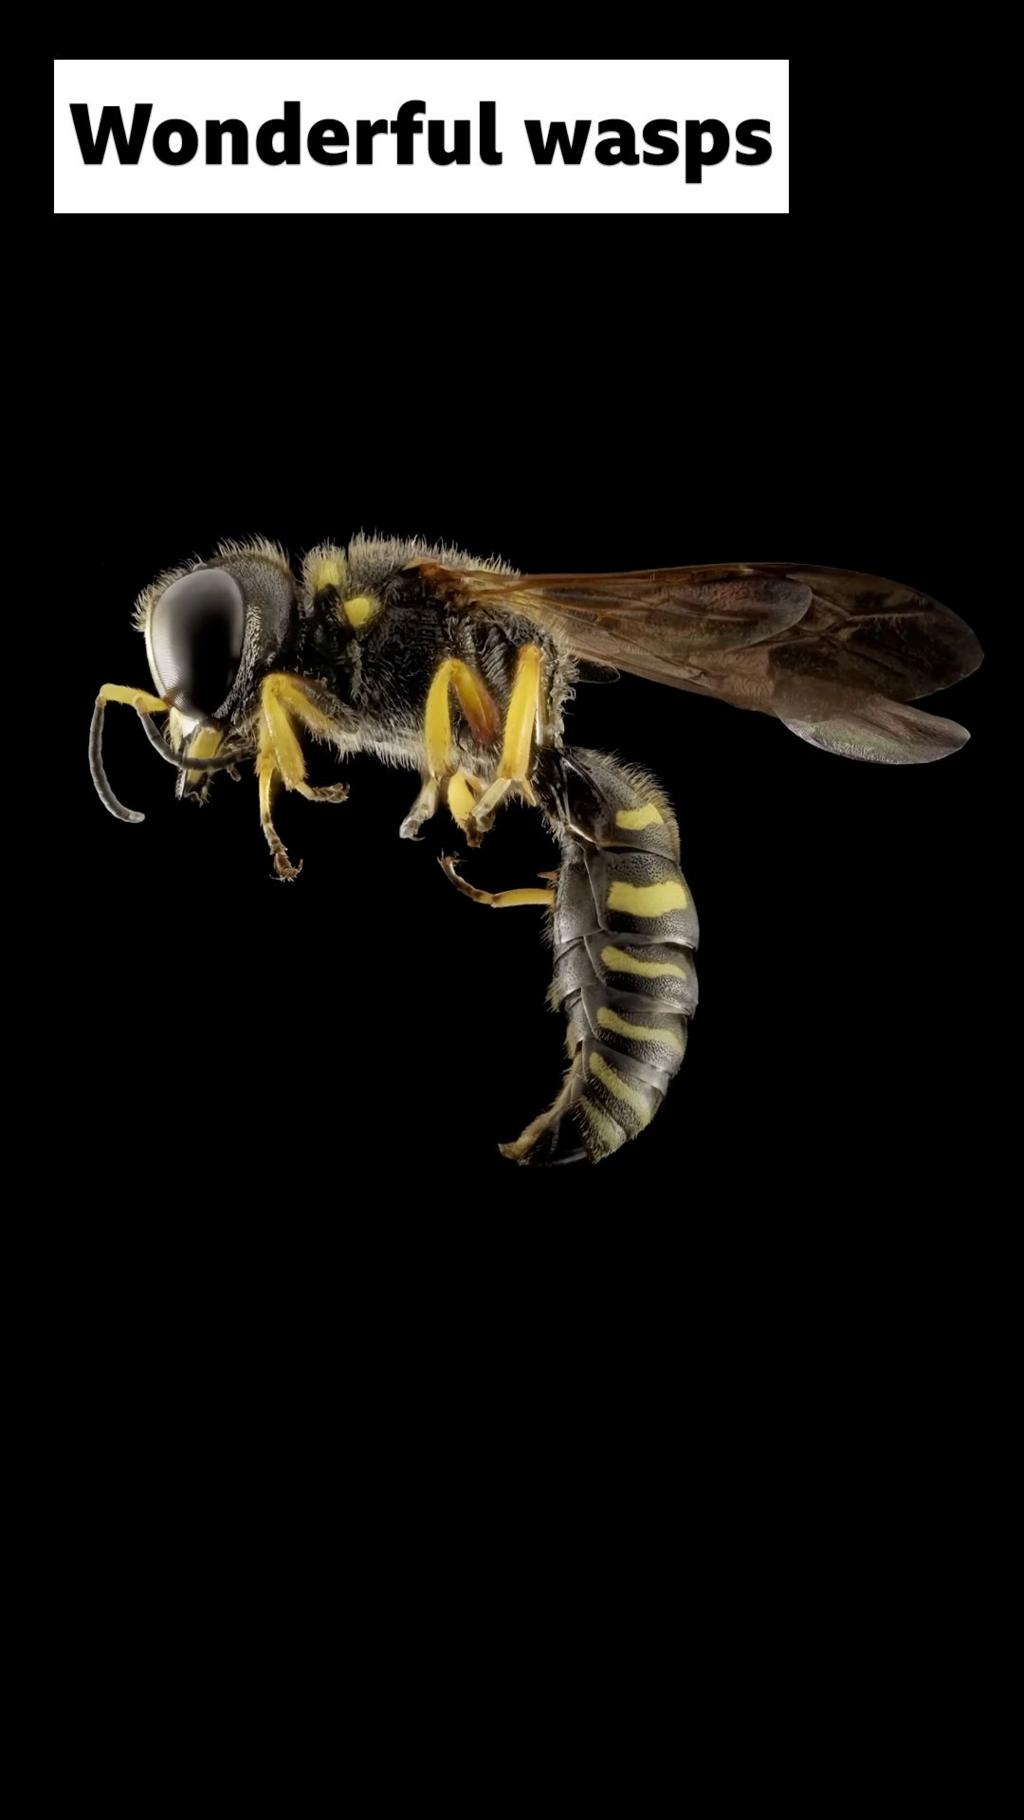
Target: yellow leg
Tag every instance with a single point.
(279, 756)
(521, 721)
(498, 900)
(464, 792)
(283, 698)
(139, 699)
(423, 809)
(461, 791)
(476, 703)
(522, 730)
(268, 776)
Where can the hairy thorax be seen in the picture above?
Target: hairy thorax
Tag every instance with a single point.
(383, 674)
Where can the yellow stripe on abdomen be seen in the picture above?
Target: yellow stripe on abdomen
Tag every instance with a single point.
(648, 900)
(635, 819)
(620, 1089)
(618, 961)
(638, 1033)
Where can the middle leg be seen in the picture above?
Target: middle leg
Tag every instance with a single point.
(523, 733)
(444, 779)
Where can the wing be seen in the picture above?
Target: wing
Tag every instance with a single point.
(836, 656)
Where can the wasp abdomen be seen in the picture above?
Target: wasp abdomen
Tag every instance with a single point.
(625, 932)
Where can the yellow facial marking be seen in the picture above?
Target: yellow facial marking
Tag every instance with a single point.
(646, 817)
(620, 1089)
(639, 1033)
(621, 962)
(204, 744)
(648, 900)
(327, 573)
(360, 609)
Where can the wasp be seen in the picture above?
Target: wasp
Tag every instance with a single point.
(462, 669)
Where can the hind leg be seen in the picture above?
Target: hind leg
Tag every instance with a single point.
(500, 900)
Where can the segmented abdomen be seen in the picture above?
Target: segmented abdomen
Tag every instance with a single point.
(625, 932)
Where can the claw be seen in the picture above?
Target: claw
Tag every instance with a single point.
(422, 810)
(482, 819)
(327, 793)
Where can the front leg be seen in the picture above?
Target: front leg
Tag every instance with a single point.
(279, 758)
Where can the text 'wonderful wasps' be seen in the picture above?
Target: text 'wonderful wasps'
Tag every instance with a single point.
(413, 137)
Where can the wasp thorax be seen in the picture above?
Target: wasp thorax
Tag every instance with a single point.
(196, 634)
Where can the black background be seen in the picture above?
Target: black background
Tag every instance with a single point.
(591, 395)
(730, 1397)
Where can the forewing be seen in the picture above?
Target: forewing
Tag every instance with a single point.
(833, 654)
(657, 623)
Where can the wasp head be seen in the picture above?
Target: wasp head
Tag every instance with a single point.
(213, 630)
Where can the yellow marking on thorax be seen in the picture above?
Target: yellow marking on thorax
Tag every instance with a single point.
(639, 1033)
(360, 609)
(648, 900)
(621, 962)
(620, 1089)
(639, 818)
(327, 573)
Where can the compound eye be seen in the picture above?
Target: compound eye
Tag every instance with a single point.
(195, 637)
